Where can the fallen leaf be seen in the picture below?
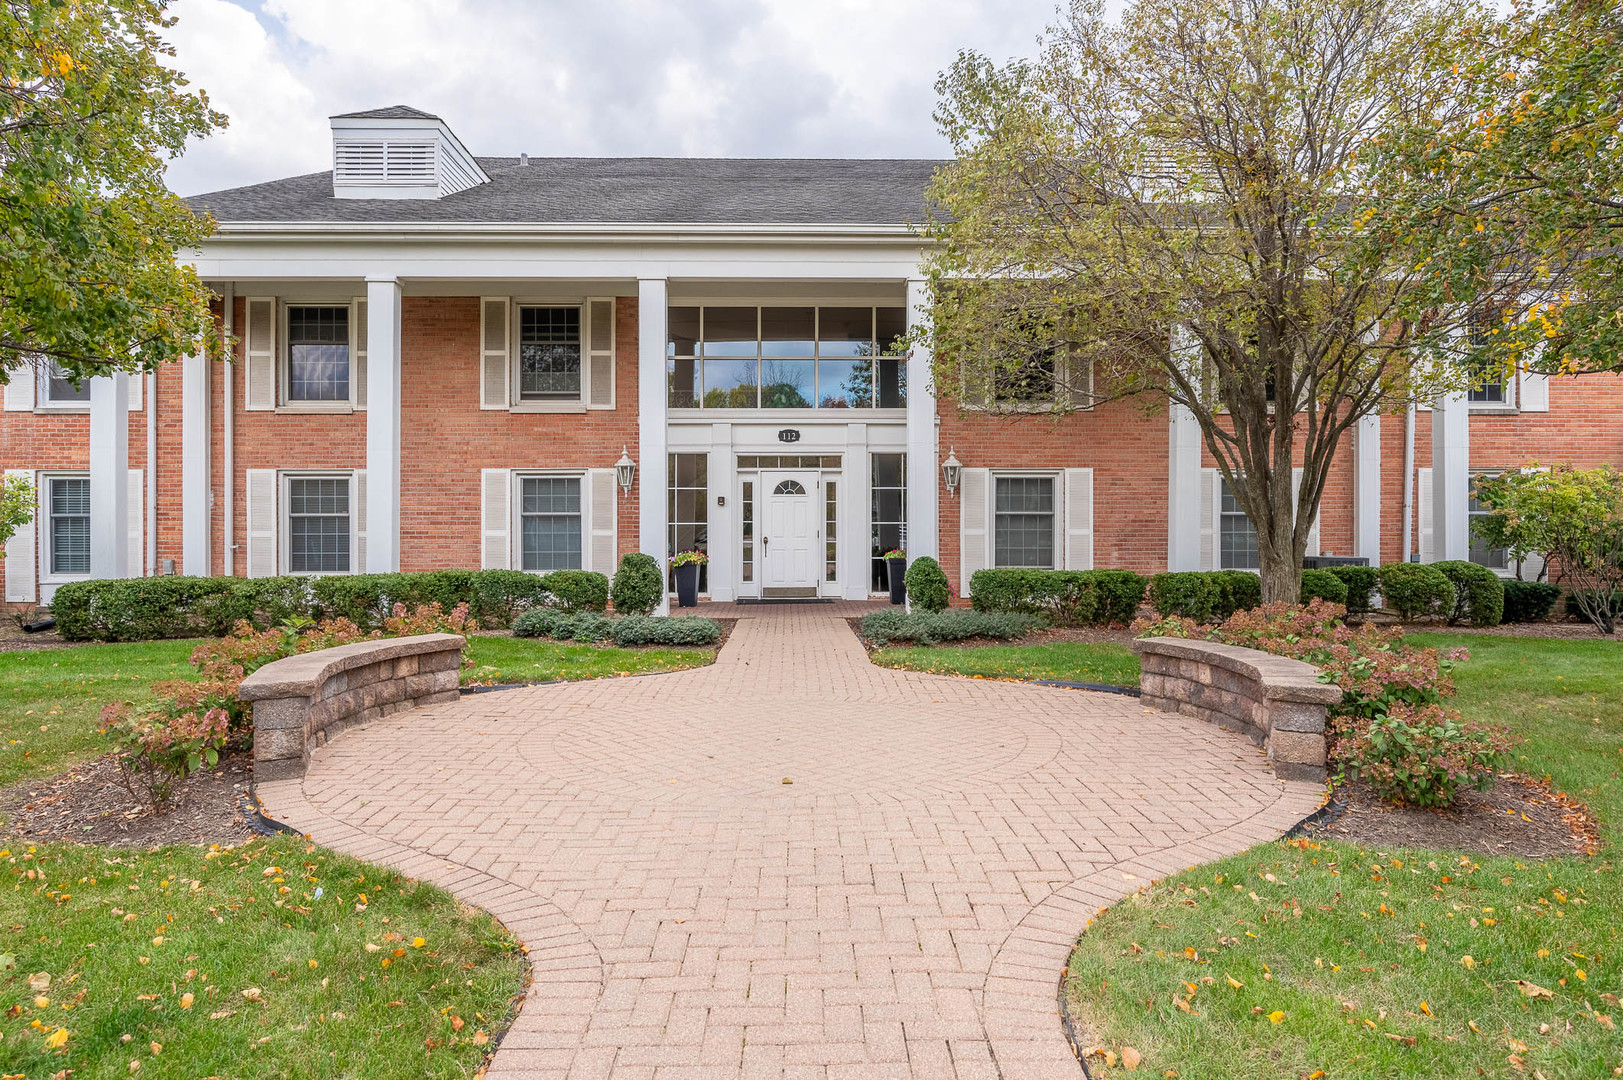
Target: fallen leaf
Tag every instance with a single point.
(1236, 983)
(418, 943)
(222, 1014)
(39, 982)
(1470, 965)
(157, 1048)
(1533, 990)
(1130, 1058)
(252, 993)
(186, 1000)
(1276, 1016)
(457, 1023)
(480, 1038)
(56, 1039)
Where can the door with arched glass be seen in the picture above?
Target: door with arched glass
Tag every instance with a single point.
(791, 533)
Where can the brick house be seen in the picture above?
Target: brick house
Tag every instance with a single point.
(441, 360)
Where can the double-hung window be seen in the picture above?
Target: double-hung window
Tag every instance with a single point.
(1237, 536)
(56, 391)
(1023, 522)
(550, 526)
(1490, 383)
(1494, 558)
(68, 501)
(549, 354)
(318, 354)
(319, 525)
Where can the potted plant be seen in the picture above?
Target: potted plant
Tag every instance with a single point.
(686, 564)
(896, 574)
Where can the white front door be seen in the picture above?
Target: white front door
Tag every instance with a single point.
(791, 533)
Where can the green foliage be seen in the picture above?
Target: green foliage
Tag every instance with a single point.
(1573, 518)
(133, 609)
(1360, 582)
(927, 585)
(692, 557)
(578, 590)
(1204, 595)
(1529, 601)
(1415, 590)
(154, 753)
(16, 506)
(1421, 755)
(1063, 597)
(625, 631)
(638, 584)
(1242, 591)
(1479, 594)
(89, 234)
(499, 596)
(1121, 592)
(1323, 585)
(930, 627)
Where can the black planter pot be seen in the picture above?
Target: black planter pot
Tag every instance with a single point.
(896, 574)
(687, 585)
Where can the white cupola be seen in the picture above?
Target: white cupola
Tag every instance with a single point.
(399, 153)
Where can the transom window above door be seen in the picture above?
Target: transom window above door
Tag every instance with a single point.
(808, 357)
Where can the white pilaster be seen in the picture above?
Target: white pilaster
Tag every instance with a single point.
(856, 508)
(1183, 472)
(723, 545)
(194, 465)
(1367, 488)
(651, 422)
(109, 476)
(382, 425)
(923, 520)
(1451, 477)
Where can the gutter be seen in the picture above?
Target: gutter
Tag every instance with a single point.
(646, 231)
(1408, 482)
(228, 455)
(151, 567)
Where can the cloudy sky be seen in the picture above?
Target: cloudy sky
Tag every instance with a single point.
(701, 78)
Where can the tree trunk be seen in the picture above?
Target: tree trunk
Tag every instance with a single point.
(1281, 577)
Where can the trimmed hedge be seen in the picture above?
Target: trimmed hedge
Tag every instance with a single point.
(1205, 595)
(1415, 589)
(1479, 595)
(623, 630)
(1064, 597)
(1529, 601)
(133, 609)
(927, 587)
(1242, 590)
(1323, 585)
(1360, 582)
(931, 627)
(638, 584)
(578, 590)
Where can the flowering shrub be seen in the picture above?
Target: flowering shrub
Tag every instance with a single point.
(154, 753)
(1421, 755)
(1390, 725)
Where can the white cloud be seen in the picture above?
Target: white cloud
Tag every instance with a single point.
(614, 77)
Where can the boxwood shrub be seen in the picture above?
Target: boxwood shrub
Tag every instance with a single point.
(1323, 585)
(626, 630)
(1529, 601)
(927, 586)
(1242, 591)
(134, 609)
(1064, 597)
(1412, 590)
(638, 584)
(1192, 594)
(931, 627)
(1479, 595)
(578, 590)
(1360, 582)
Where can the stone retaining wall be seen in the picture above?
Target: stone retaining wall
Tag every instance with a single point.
(302, 701)
(1275, 701)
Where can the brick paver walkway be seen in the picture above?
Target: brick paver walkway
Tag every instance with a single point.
(791, 863)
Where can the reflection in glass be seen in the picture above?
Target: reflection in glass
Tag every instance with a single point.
(786, 384)
(888, 515)
(844, 384)
(892, 372)
(787, 331)
(730, 331)
(729, 384)
(683, 331)
(890, 323)
(845, 332)
(683, 378)
(687, 512)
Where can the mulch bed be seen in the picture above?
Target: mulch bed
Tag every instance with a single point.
(1518, 816)
(88, 805)
(13, 638)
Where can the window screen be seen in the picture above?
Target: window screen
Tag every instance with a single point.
(318, 525)
(70, 526)
(318, 353)
(549, 354)
(549, 521)
(1023, 508)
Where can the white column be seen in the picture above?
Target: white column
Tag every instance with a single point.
(109, 476)
(651, 423)
(194, 466)
(382, 425)
(923, 521)
(1451, 477)
(1367, 488)
(724, 546)
(856, 504)
(1183, 473)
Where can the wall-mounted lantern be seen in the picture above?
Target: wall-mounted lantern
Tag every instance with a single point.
(625, 471)
(951, 470)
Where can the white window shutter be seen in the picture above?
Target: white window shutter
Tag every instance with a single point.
(137, 379)
(496, 518)
(494, 370)
(359, 365)
(1079, 519)
(260, 485)
(23, 386)
(259, 376)
(1211, 509)
(1428, 541)
(1534, 392)
(974, 535)
(1313, 530)
(136, 516)
(1077, 381)
(21, 563)
(600, 342)
(604, 536)
(357, 562)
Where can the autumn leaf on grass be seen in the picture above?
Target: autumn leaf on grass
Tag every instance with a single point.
(1533, 990)
(1276, 1017)
(1130, 1058)
(1470, 964)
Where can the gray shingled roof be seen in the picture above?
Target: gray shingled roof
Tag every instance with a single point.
(698, 191)
(388, 112)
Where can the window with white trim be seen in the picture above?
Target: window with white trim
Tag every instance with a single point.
(551, 532)
(1237, 537)
(56, 390)
(1494, 558)
(549, 353)
(1023, 522)
(1491, 383)
(318, 360)
(319, 524)
(67, 535)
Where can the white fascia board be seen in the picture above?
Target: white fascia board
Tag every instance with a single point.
(644, 232)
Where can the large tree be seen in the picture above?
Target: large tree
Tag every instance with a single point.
(1177, 204)
(88, 230)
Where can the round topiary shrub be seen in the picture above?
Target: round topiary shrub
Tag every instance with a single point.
(1529, 601)
(1360, 582)
(927, 588)
(637, 584)
(1479, 595)
(1414, 590)
(1323, 585)
(578, 590)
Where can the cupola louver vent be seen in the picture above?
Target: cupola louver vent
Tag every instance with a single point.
(399, 153)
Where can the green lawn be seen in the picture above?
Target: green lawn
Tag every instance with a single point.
(1393, 963)
(190, 962)
(1069, 661)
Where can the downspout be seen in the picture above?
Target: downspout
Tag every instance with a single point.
(1408, 482)
(151, 568)
(228, 462)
